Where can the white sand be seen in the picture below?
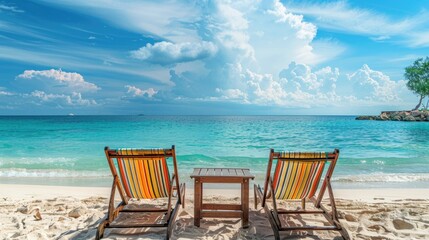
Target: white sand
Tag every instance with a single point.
(74, 213)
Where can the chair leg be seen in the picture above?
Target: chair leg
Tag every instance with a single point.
(254, 196)
(100, 230)
(344, 234)
(182, 201)
(276, 235)
(172, 219)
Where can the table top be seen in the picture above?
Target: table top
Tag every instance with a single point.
(222, 172)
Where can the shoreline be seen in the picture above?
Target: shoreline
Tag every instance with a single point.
(14, 191)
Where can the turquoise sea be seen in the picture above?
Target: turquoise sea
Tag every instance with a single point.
(68, 150)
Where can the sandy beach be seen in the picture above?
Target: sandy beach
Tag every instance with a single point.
(55, 212)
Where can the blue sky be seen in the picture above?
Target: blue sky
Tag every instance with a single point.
(209, 57)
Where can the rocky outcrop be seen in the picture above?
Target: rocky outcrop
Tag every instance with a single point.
(409, 116)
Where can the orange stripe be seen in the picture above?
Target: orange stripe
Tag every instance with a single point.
(319, 173)
(143, 180)
(303, 181)
(276, 174)
(146, 170)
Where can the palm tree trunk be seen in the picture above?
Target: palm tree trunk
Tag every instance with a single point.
(420, 103)
(427, 104)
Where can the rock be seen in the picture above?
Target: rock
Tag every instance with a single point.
(396, 118)
(384, 116)
(415, 113)
(77, 212)
(409, 118)
(365, 117)
(23, 209)
(400, 224)
(350, 218)
(37, 215)
(376, 219)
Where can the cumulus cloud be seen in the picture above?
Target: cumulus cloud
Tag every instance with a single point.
(137, 92)
(374, 85)
(301, 76)
(306, 31)
(300, 85)
(165, 53)
(243, 35)
(66, 80)
(231, 94)
(50, 88)
(75, 99)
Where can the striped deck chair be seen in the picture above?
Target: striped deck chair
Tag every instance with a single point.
(296, 177)
(142, 174)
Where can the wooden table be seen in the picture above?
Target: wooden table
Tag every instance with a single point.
(221, 175)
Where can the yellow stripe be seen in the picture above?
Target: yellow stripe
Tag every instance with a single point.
(291, 181)
(155, 179)
(147, 170)
(139, 179)
(131, 173)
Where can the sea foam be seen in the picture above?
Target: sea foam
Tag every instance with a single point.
(383, 177)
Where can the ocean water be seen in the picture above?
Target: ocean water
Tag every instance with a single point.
(68, 150)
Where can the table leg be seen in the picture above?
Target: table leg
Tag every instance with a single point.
(197, 201)
(245, 203)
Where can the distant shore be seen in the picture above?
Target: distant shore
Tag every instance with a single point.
(74, 213)
(407, 116)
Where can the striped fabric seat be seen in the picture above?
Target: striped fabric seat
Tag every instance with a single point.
(297, 175)
(144, 178)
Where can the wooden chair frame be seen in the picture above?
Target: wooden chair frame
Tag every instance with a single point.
(273, 214)
(170, 213)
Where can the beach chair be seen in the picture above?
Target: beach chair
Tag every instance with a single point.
(296, 177)
(143, 174)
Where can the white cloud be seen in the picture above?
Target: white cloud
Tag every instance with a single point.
(373, 85)
(137, 92)
(166, 19)
(49, 88)
(301, 76)
(69, 80)
(299, 85)
(306, 31)
(83, 60)
(165, 53)
(5, 93)
(264, 89)
(232, 94)
(10, 8)
(75, 99)
(248, 36)
(340, 16)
